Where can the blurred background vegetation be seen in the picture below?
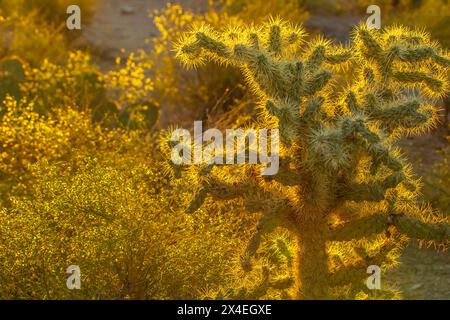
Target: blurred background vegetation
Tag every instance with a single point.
(81, 178)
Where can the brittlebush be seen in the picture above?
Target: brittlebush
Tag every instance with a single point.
(121, 97)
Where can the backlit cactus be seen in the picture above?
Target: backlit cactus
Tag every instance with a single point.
(343, 189)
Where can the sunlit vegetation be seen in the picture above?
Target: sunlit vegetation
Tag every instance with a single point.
(34, 29)
(86, 177)
(338, 148)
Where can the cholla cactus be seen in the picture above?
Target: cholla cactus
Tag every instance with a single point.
(343, 190)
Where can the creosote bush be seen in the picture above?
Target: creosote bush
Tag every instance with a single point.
(344, 191)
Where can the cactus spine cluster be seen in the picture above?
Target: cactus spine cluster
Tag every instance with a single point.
(343, 189)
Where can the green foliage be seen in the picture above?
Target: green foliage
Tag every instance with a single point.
(344, 191)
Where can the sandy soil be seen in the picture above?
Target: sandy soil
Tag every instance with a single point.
(423, 273)
(124, 24)
(120, 24)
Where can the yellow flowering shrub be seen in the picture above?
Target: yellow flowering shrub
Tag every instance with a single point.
(120, 97)
(76, 83)
(35, 29)
(27, 137)
(32, 39)
(52, 11)
(75, 192)
(130, 84)
(130, 88)
(121, 221)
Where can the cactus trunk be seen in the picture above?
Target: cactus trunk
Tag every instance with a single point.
(311, 267)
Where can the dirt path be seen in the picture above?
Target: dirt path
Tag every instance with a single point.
(334, 27)
(423, 273)
(120, 24)
(124, 24)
